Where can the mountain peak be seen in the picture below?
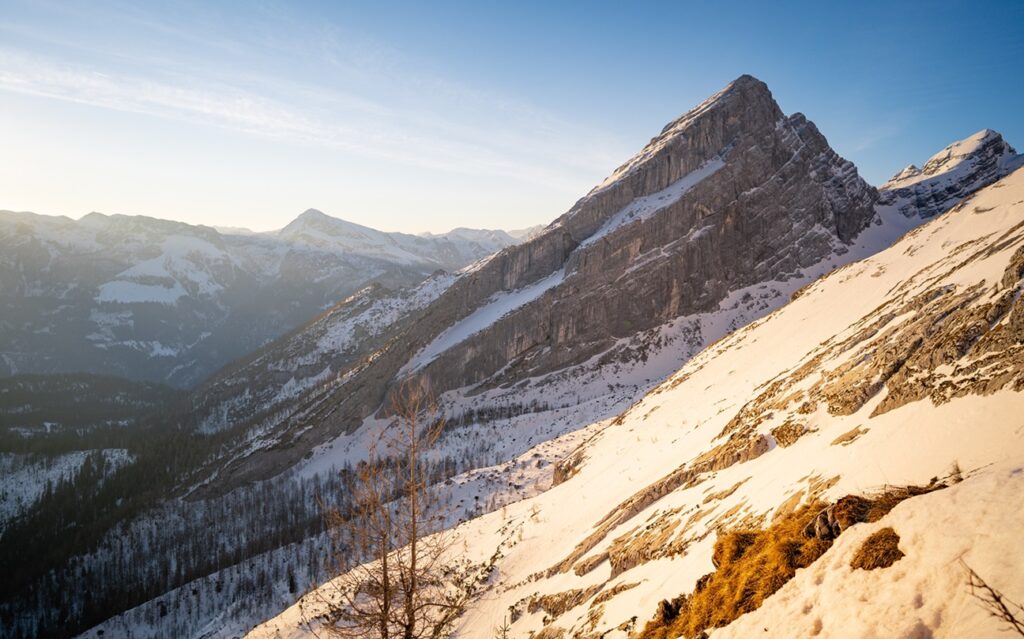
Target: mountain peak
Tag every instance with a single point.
(906, 172)
(312, 215)
(961, 149)
(959, 169)
(746, 82)
(745, 87)
(317, 219)
(745, 103)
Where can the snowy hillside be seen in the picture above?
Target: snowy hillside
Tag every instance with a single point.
(889, 371)
(25, 478)
(314, 359)
(611, 379)
(705, 221)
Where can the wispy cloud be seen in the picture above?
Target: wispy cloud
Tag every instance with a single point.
(390, 113)
(870, 138)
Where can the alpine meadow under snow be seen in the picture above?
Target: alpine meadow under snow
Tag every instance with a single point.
(734, 391)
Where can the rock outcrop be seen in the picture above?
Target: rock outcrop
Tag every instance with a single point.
(780, 200)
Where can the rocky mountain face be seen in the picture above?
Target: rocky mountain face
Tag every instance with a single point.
(706, 229)
(169, 302)
(732, 194)
(950, 175)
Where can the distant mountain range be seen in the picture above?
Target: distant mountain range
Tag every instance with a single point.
(165, 301)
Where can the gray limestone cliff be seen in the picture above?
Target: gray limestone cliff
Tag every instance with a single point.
(731, 194)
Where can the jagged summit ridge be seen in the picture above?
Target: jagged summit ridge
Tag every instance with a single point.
(745, 87)
(726, 123)
(978, 144)
(950, 175)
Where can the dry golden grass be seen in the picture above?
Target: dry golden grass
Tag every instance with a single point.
(751, 565)
(880, 550)
(881, 502)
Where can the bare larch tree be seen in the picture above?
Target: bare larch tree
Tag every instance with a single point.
(398, 577)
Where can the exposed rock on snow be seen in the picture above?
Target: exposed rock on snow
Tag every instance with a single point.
(923, 594)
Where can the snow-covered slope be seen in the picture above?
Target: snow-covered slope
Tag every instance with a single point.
(655, 239)
(587, 335)
(312, 360)
(166, 301)
(27, 477)
(890, 370)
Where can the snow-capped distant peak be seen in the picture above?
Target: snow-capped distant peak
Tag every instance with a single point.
(451, 251)
(960, 150)
(961, 168)
(984, 143)
(318, 220)
(908, 172)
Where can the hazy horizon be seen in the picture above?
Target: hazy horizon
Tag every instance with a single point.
(227, 228)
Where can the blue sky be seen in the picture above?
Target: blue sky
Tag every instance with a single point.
(425, 116)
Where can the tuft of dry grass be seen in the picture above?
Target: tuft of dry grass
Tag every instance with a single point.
(881, 502)
(880, 550)
(751, 565)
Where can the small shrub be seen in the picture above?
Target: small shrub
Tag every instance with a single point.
(880, 550)
(995, 603)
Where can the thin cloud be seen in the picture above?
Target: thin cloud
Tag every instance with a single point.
(357, 125)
